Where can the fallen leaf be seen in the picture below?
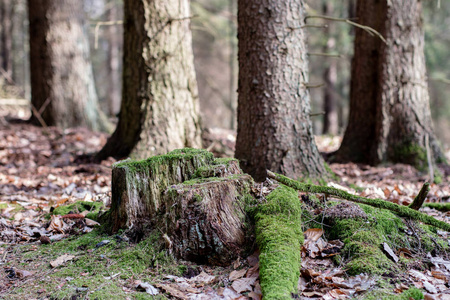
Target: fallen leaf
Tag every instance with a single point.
(236, 274)
(243, 284)
(149, 289)
(61, 260)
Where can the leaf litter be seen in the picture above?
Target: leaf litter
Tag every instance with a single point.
(43, 169)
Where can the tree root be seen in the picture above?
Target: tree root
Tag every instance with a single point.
(402, 211)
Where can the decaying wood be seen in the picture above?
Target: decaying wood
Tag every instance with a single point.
(195, 201)
(421, 196)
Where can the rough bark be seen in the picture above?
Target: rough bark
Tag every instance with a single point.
(274, 127)
(330, 107)
(62, 85)
(114, 59)
(159, 110)
(390, 116)
(203, 218)
(6, 33)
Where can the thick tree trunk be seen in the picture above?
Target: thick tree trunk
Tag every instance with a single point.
(63, 92)
(389, 104)
(274, 127)
(114, 59)
(6, 33)
(330, 107)
(159, 110)
(197, 202)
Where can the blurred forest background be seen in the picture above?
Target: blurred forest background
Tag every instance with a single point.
(215, 50)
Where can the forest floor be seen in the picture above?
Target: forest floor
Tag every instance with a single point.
(66, 257)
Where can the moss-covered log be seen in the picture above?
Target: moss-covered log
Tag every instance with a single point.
(402, 211)
(279, 237)
(202, 217)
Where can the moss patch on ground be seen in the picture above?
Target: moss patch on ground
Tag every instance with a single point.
(363, 240)
(410, 294)
(279, 237)
(78, 207)
(444, 207)
(94, 273)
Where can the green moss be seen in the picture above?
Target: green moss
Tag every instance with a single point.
(174, 156)
(78, 207)
(363, 240)
(444, 207)
(279, 239)
(387, 294)
(224, 160)
(412, 154)
(438, 176)
(146, 261)
(400, 210)
(356, 188)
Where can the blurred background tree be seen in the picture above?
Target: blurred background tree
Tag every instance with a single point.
(215, 50)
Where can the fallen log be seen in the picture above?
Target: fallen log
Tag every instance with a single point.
(402, 211)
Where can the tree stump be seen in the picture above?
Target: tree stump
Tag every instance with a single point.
(196, 201)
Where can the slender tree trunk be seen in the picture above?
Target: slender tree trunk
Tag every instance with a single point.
(62, 83)
(274, 127)
(159, 110)
(389, 104)
(330, 107)
(6, 33)
(114, 60)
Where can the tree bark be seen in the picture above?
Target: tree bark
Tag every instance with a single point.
(63, 92)
(6, 33)
(330, 107)
(390, 116)
(114, 59)
(159, 110)
(274, 127)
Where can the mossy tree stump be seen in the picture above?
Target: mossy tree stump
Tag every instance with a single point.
(196, 201)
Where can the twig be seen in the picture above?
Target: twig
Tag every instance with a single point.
(368, 29)
(313, 86)
(317, 114)
(324, 54)
(38, 116)
(421, 196)
(105, 23)
(402, 211)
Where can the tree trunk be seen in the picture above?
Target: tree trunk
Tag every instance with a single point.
(159, 110)
(63, 92)
(197, 202)
(6, 32)
(114, 59)
(390, 116)
(330, 107)
(274, 127)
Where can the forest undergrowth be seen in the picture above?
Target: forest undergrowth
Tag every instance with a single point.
(51, 246)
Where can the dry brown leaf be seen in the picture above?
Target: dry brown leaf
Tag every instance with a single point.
(243, 284)
(253, 271)
(236, 274)
(61, 260)
(57, 224)
(172, 290)
(91, 223)
(312, 235)
(202, 279)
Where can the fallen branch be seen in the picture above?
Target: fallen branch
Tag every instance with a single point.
(402, 211)
(421, 196)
